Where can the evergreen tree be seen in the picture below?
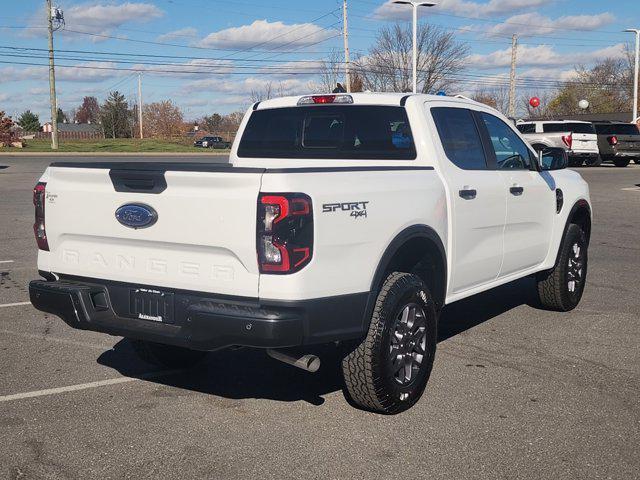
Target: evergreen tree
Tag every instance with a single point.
(29, 121)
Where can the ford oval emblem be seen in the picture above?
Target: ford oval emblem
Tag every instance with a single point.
(136, 215)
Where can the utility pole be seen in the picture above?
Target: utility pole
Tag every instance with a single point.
(636, 73)
(52, 81)
(140, 102)
(345, 28)
(512, 77)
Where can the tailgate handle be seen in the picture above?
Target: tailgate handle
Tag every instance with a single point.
(138, 181)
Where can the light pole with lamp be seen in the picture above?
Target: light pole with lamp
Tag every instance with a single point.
(635, 74)
(415, 6)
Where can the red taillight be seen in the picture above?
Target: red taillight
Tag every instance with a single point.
(284, 232)
(613, 140)
(568, 140)
(38, 227)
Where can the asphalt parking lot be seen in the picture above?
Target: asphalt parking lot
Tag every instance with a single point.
(516, 392)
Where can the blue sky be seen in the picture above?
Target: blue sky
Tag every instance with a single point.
(217, 52)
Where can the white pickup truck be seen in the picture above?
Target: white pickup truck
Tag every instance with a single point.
(348, 219)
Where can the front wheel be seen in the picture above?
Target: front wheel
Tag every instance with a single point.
(389, 370)
(636, 161)
(168, 356)
(561, 287)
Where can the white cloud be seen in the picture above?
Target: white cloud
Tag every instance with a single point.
(97, 18)
(188, 32)
(4, 97)
(265, 35)
(537, 24)
(390, 11)
(87, 72)
(192, 68)
(38, 91)
(542, 55)
(287, 86)
(101, 18)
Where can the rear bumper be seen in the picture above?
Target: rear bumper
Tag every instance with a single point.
(627, 153)
(579, 154)
(203, 321)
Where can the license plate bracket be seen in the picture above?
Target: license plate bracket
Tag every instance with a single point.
(151, 305)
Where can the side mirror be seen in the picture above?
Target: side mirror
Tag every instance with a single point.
(553, 158)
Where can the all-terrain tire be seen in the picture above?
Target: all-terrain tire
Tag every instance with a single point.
(168, 356)
(376, 374)
(621, 162)
(555, 290)
(594, 162)
(575, 161)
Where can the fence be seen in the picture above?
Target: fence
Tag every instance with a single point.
(62, 135)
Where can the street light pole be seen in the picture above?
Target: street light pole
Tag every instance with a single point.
(415, 6)
(636, 73)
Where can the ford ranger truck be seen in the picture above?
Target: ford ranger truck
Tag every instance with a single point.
(340, 219)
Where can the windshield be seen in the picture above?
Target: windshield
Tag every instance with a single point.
(329, 132)
(569, 127)
(617, 129)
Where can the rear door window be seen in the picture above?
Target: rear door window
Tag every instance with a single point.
(329, 132)
(526, 127)
(460, 138)
(568, 127)
(617, 129)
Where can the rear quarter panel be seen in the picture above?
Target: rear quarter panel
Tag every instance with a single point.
(347, 249)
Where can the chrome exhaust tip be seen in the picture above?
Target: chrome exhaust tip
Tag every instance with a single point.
(307, 362)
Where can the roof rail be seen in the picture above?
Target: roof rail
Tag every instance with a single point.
(463, 97)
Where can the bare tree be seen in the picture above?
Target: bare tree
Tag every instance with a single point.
(496, 97)
(270, 90)
(387, 67)
(331, 72)
(542, 111)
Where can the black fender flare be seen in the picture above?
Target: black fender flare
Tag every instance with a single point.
(409, 233)
(580, 204)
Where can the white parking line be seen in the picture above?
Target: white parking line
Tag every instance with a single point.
(85, 386)
(19, 304)
(6, 261)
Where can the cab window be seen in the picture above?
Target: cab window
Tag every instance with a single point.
(511, 152)
(460, 138)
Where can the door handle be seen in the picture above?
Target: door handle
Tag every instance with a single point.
(468, 194)
(517, 191)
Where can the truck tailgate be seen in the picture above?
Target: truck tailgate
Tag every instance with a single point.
(585, 142)
(203, 239)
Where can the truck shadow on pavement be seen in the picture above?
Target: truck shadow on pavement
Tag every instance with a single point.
(250, 373)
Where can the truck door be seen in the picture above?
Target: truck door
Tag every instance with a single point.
(531, 198)
(477, 198)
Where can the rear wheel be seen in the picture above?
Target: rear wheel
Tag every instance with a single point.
(561, 287)
(389, 370)
(621, 162)
(168, 356)
(594, 161)
(575, 161)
